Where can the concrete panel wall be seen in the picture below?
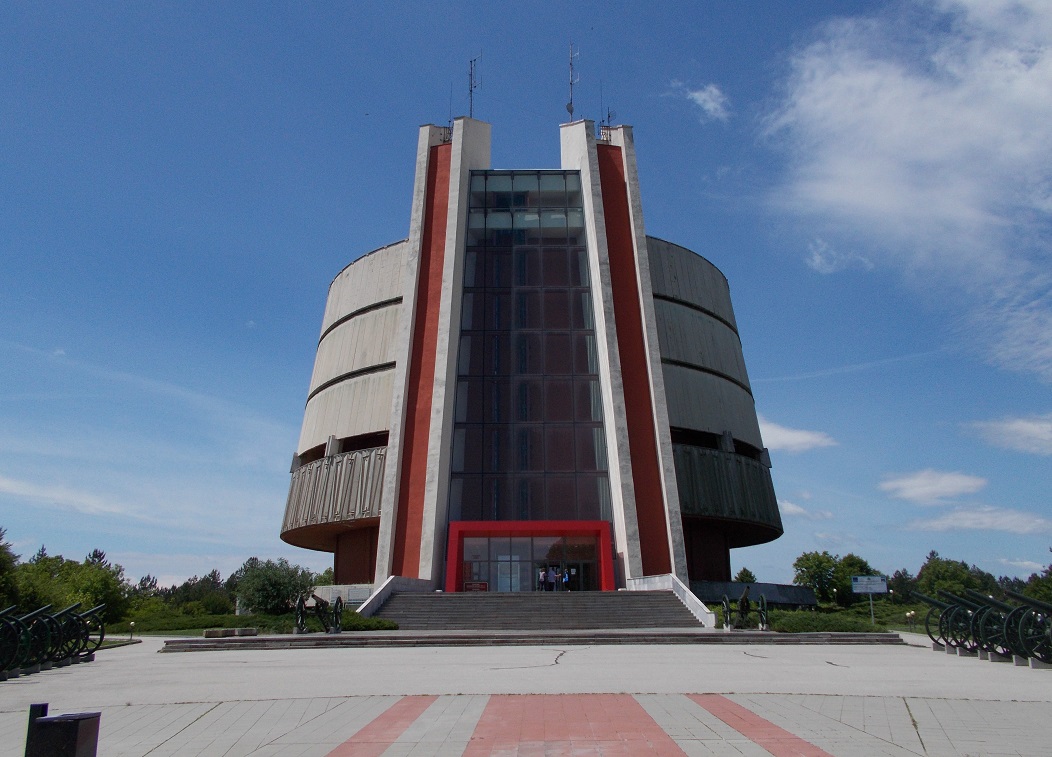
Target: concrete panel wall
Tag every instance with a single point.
(682, 274)
(361, 405)
(365, 341)
(704, 402)
(690, 336)
(372, 278)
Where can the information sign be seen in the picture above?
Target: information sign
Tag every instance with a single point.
(869, 585)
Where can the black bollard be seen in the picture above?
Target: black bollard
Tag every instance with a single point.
(72, 735)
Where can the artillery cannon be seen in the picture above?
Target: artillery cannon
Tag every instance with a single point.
(42, 639)
(330, 619)
(743, 609)
(932, 621)
(960, 622)
(998, 625)
(1035, 627)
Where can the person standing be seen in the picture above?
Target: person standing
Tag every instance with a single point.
(542, 579)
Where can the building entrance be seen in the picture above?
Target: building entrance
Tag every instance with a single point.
(511, 557)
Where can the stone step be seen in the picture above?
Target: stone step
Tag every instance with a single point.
(360, 639)
(541, 611)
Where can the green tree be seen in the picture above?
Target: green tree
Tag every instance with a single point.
(271, 587)
(954, 576)
(8, 563)
(1038, 586)
(815, 570)
(745, 576)
(59, 582)
(847, 566)
(902, 582)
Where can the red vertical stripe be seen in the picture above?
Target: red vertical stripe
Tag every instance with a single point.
(639, 411)
(410, 515)
(566, 724)
(775, 740)
(375, 738)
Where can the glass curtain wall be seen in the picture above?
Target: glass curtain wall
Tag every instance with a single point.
(528, 438)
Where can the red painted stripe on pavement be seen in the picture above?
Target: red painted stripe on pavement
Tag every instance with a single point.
(385, 729)
(764, 733)
(568, 724)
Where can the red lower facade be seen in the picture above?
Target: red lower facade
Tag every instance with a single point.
(510, 555)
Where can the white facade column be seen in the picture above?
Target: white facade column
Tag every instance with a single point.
(621, 136)
(429, 137)
(579, 153)
(471, 152)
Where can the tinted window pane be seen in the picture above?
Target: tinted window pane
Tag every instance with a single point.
(558, 357)
(558, 447)
(556, 309)
(558, 402)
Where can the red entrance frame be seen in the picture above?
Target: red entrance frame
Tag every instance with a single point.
(458, 529)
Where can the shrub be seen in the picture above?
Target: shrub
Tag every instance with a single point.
(812, 622)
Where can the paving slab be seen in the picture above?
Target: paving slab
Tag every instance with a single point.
(559, 699)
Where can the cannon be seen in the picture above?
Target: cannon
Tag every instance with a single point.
(932, 621)
(329, 615)
(998, 625)
(960, 622)
(1035, 627)
(743, 608)
(43, 639)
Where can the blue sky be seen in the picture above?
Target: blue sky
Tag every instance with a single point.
(181, 181)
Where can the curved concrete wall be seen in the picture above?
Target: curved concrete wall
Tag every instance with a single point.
(727, 499)
(701, 353)
(350, 389)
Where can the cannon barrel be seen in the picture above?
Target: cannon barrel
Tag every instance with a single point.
(930, 601)
(8, 610)
(989, 601)
(37, 612)
(968, 604)
(66, 610)
(1035, 603)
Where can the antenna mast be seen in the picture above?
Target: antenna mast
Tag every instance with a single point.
(573, 80)
(473, 84)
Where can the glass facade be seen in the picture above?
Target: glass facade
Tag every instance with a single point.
(515, 563)
(528, 437)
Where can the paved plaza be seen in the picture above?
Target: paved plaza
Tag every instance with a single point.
(546, 701)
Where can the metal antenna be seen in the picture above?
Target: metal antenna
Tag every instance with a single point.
(573, 80)
(473, 84)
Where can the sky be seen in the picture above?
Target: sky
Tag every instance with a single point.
(179, 183)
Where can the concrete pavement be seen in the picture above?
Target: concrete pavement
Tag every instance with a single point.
(625, 699)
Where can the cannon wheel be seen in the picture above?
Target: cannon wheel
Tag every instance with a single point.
(9, 637)
(1034, 635)
(301, 615)
(337, 615)
(960, 630)
(992, 637)
(932, 623)
(1011, 630)
(94, 633)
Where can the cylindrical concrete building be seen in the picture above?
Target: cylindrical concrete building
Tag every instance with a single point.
(529, 382)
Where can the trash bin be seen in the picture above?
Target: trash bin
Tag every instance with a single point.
(72, 735)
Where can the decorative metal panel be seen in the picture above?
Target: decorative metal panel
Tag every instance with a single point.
(720, 484)
(343, 487)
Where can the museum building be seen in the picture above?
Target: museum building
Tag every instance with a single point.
(529, 382)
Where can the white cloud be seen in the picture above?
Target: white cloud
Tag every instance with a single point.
(792, 510)
(61, 496)
(986, 518)
(1029, 434)
(824, 259)
(710, 99)
(931, 487)
(924, 143)
(1026, 565)
(784, 439)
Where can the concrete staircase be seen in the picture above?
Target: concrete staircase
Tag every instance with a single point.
(537, 611)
